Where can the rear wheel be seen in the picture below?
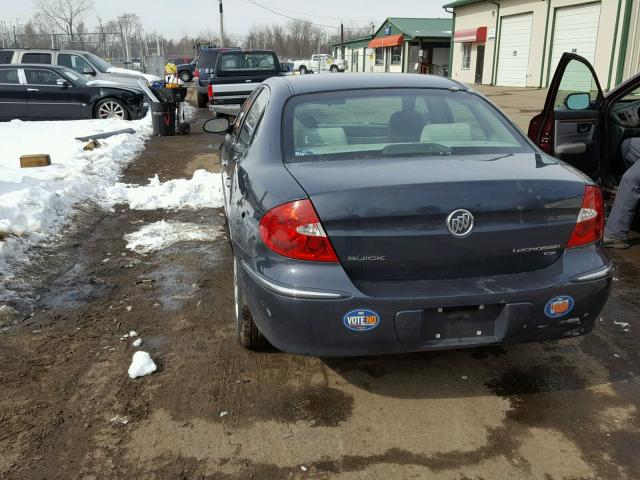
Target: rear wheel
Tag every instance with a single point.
(111, 108)
(185, 76)
(303, 70)
(203, 99)
(247, 334)
(334, 69)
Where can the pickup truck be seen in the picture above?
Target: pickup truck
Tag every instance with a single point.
(237, 74)
(319, 63)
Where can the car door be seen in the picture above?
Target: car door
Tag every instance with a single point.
(229, 151)
(50, 99)
(13, 95)
(239, 142)
(75, 62)
(571, 125)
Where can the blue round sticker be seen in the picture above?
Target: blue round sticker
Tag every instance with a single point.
(361, 320)
(559, 306)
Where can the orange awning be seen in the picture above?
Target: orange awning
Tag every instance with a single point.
(387, 41)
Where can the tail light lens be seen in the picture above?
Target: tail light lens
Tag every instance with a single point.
(294, 230)
(210, 91)
(590, 224)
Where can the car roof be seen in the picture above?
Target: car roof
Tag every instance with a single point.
(31, 65)
(301, 84)
(250, 50)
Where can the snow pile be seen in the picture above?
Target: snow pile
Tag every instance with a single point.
(35, 203)
(141, 365)
(160, 235)
(204, 190)
(137, 343)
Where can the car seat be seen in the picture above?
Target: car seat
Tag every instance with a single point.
(405, 126)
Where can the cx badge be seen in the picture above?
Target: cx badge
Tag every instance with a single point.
(460, 223)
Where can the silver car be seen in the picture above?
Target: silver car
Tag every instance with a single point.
(88, 64)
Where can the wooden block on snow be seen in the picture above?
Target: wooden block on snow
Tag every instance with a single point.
(28, 161)
(92, 145)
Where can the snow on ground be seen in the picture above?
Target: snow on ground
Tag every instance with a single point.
(204, 190)
(35, 203)
(160, 235)
(141, 365)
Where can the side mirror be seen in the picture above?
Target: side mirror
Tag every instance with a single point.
(577, 101)
(61, 82)
(88, 71)
(217, 125)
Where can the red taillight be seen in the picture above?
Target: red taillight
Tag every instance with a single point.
(590, 224)
(294, 230)
(210, 91)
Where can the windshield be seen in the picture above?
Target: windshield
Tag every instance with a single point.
(75, 77)
(101, 64)
(379, 123)
(247, 61)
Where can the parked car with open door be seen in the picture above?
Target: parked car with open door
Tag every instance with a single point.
(585, 127)
(391, 213)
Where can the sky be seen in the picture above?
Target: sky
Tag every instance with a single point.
(176, 18)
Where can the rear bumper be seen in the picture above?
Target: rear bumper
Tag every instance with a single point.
(227, 109)
(311, 321)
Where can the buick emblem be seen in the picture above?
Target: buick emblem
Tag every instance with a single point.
(460, 223)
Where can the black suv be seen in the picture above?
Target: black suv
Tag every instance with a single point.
(205, 68)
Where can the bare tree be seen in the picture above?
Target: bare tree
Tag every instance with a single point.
(63, 14)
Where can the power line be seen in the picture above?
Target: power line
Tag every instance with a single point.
(269, 9)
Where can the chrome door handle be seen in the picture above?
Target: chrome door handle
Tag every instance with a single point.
(32, 90)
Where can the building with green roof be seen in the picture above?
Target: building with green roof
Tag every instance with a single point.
(416, 45)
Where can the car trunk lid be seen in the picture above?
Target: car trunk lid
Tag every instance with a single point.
(387, 218)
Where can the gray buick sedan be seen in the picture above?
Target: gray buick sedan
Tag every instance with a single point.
(386, 213)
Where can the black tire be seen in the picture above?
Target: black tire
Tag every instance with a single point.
(247, 334)
(303, 70)
(112, 105)
(334, 69)
(185, 76)
(203, 100)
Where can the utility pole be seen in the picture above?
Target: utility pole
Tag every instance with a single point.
(342, 48)
(221, 24)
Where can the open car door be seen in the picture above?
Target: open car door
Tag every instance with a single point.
(570, 126)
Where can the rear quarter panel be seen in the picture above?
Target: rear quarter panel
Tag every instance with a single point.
(259, 179)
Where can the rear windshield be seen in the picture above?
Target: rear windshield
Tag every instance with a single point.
(246, 62)
(402, 122)
(6, 56)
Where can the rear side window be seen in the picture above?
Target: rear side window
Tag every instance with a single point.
(44, 58)
(41, 77)
(208, 58)
(253, 118)
(6, 56)
(9, 76)
(246, 61)
(380, 123)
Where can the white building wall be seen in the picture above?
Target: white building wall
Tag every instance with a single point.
(484, 14)
(632, 64)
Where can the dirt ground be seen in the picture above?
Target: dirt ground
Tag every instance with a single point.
(68, 410)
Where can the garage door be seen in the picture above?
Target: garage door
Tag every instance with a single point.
(575, 30)
(513, 55)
